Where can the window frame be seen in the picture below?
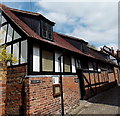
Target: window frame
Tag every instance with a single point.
(49, 30)
(53, 62)
(70, 63)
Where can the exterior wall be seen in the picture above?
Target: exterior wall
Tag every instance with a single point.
(41, 100)
(107, 80)
(14, 90)
(2, 90)
(27, 97)
(71, 92)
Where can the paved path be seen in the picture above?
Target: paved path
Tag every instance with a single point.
(107, 102)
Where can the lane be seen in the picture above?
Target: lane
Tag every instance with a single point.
(106, 103)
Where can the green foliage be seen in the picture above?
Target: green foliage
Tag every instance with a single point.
(6, 57)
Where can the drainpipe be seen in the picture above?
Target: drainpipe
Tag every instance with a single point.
(61, 87)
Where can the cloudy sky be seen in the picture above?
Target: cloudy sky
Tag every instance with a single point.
(92, 20)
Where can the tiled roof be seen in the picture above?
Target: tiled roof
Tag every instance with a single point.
(58, 40)
(71, 37)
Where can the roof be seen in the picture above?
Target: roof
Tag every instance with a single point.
(59, 41)
(30, 13)
(71, 37)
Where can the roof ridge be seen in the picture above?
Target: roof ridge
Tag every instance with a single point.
(22, 11)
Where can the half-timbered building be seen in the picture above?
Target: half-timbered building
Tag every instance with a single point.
(53, 71)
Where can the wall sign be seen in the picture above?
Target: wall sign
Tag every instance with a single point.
(76, 80)
(35, 81)
(55, 80)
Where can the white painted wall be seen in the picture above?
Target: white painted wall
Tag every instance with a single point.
(36, 58)
(57, 65)
(73, 65)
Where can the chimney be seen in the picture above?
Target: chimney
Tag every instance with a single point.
(118, 53)
(101, 49)
(112, 51)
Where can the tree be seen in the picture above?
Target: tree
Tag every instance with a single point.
(6, 57)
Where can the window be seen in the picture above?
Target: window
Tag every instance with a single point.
(99, 68)
(3, 34)
(10, 33)
(67, 62)
(95, 66)
(0, 19)
(84, 63)
(16, 35)
(16, 52)
(78, 64)
(57, 62)
(47, 30)
(36, 58)
(90, 66)
(44, 33)
(73, 65)
(3, 20)
(23, 58)
(8, 50)
(47, 60)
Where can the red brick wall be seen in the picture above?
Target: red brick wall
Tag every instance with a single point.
(71, 93)
(41, 100)
(14, 90)
(28, 98)
(2, 90)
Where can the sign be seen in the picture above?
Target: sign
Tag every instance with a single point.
(35, 81)
(76, 80)
(55, 80)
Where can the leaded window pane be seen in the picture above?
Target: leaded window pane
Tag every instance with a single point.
(16, 35)
(10, 33)
(0, 19)
(3, 20)
(8, 50)
(24, 51)
(16, 52)
(67, 63)
(73, 65)
(44, 29)
(3, 30)
(47, 60)
(78, 64)
(49, 32)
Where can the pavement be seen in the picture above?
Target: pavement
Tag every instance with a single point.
(107, 102)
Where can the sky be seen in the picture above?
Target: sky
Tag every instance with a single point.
(94, 21)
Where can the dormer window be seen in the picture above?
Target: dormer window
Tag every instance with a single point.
(44, 30)
(47, 30)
